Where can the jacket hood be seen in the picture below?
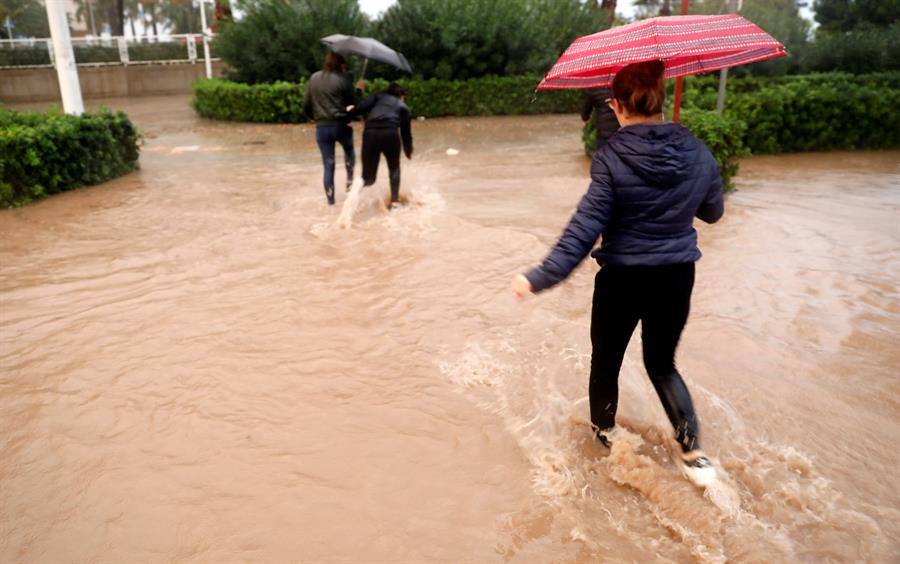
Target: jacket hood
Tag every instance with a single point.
(662, 154)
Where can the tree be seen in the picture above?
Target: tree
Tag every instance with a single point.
(458, 39)
(847, 15)
(779, 18)
(28, 19)
(281, 40)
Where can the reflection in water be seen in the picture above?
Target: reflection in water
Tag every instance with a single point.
(199, 364)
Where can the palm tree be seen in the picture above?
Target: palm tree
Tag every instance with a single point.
(100, 12)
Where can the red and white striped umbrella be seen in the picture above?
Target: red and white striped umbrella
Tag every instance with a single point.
(687, 45)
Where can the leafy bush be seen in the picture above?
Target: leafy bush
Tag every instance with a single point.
(701, 91)
(487, 96)
(280, 102)
(43, 154)
(786, 113)
(811, 112)
(804, 116)
(723, 136)
(461, 39)
(25, 55)
(280, 41)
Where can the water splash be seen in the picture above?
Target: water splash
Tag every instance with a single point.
(351, 204)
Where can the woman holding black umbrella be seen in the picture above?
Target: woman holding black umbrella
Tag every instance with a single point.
(328, 93)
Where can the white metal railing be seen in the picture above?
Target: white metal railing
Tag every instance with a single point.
(114, 50)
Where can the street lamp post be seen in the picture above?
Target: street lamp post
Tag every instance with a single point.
(205, 38)
(66, 70)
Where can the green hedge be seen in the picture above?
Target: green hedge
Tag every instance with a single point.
(802, 116)
(43, 154)
(281, 102)
(164, 51)
(487, 96)
(777, 114)
(813, 112)
(722, 134)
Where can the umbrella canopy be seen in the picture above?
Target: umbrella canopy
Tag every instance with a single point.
(686, 44)
(368, 48)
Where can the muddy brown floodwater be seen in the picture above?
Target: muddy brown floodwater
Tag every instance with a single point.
(197, 364)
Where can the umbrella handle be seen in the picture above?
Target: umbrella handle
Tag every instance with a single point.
(365, 64)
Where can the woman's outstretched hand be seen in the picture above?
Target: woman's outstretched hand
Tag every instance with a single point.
(521, 287)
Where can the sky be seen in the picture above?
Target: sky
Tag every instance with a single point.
(623, 7)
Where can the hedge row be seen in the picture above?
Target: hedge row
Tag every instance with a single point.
(39, 55)
(279, 102)
(802, 116)
(282, 102)
(786, 113)
(43, 154)
(762, 115)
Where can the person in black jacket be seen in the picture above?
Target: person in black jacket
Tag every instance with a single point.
(328, 93)
(647, 184)
(595, 100)
(387, 126)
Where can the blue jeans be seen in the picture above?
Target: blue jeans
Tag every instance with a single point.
(326, 136)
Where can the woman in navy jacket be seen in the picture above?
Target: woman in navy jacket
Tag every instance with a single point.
(647, 184)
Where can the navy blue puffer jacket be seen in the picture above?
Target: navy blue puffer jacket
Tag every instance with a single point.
(647, 185)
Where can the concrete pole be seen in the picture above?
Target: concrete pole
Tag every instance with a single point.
(69, 87)
(723, 74)
(205, 38)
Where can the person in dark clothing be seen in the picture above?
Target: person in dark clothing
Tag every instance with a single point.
(595, 102)
(328, 93)
(647, 184)
(387, 127)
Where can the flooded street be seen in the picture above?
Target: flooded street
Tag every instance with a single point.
(197, 364)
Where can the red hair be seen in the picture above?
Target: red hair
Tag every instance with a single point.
(639, 88)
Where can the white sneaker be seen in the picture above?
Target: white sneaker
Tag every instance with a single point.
(603, 436)
(698, 469)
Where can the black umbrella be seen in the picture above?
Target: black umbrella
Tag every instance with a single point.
(368, 48)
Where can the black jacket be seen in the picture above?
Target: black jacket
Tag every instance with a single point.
(647, 185)
(386, 111)
(327, 96)
(595, 100)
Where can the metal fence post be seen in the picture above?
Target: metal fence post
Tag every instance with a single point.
(205, 38)
(192, 48)
(123, 50)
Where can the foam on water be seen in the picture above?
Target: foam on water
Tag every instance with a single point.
(345, 219)
(763, 496)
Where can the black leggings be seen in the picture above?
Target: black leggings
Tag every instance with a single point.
(376, 142)
(660, 297)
